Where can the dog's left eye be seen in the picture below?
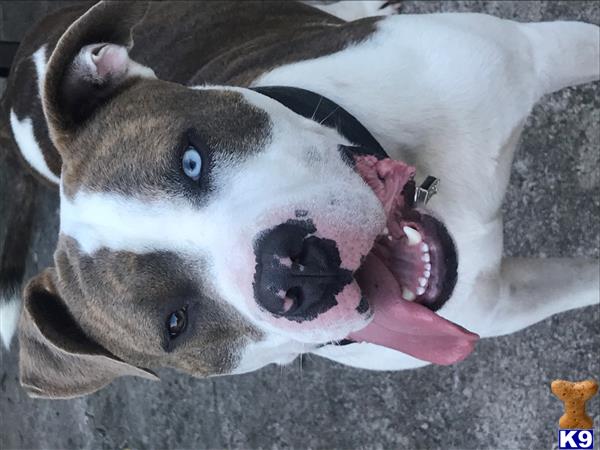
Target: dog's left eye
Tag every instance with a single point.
(176, 323)
(192, 163)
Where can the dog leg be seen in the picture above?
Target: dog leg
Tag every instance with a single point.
(354, 10)
(529, 290)
(564, 53)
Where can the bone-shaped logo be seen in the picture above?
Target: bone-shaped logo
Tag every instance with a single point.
(574, 395)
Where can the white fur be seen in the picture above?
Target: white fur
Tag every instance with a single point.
(353, 9)
(274, 349)
(369, 356)
(117, 222)
(9, 317)
(29, 147)
(40, 61)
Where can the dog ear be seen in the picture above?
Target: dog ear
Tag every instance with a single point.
(57, 360)
(89, 65)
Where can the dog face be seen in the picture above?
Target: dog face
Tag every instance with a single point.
(207, 229)
(260, 209)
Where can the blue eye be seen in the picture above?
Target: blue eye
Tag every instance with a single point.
(192, 163)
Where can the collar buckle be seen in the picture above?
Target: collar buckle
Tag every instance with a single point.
(426, 190)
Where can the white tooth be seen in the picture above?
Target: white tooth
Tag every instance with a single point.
(424, 247)
(414, 237)
(420, 290)
(407, 294)
(425, 257)
(423, 282)
(389, 237)
(427, 273)
(427, 266)
(386, 231)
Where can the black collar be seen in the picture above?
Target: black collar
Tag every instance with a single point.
(322, 110)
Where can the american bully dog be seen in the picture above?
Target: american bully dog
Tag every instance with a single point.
(244, 182)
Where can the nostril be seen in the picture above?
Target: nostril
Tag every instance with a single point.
(288, 305)
(293, 299)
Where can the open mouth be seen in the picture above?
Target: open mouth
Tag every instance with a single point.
(409, 273)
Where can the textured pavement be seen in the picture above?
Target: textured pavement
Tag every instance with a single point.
(498, 398)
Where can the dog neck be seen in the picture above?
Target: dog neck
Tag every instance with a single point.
(325, 112)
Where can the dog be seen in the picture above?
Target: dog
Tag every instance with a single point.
(248, 188)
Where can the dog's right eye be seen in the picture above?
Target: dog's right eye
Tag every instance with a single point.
(191, 163)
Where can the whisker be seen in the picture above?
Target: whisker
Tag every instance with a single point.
(329, 115)
(316, 108)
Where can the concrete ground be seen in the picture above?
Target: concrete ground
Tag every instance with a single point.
(498, 398)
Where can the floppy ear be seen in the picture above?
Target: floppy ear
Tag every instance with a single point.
(89, 65)
(57, 360)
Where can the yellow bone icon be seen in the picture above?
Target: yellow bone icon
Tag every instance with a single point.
(574, 395)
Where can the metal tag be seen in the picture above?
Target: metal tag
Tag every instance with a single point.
(426, 190)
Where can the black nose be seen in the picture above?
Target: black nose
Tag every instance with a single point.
(297, 274)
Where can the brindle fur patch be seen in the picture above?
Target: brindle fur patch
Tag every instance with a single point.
(134, 144)
(122, 300)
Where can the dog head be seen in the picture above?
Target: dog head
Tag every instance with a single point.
(205, 229)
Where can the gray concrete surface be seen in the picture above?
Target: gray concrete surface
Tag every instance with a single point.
(497, 398)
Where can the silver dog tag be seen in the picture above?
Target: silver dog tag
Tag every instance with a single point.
(426, 190)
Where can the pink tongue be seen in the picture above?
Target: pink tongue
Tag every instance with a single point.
(407, 326)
